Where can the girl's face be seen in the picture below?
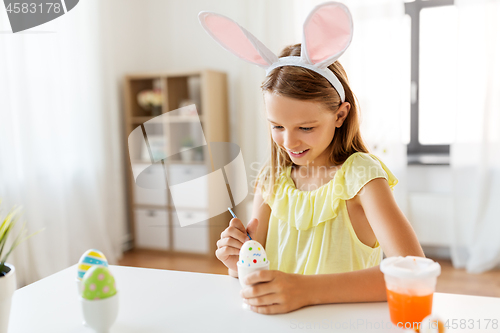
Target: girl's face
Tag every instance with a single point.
(304, 129)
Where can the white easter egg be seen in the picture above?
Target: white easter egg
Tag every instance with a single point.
(252, 253)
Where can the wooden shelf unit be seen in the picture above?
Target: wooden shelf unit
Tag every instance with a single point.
(152, 217)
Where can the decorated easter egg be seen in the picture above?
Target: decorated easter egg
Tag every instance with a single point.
(252, 253)
(89, 259)
(98, 283)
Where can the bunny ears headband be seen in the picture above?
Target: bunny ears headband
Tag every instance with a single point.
(326, 35)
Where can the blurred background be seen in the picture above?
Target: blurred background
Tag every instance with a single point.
(426, 74)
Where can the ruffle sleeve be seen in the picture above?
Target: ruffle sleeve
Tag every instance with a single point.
(358, 170)
(307, 209)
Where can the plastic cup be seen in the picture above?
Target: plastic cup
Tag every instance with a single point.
(410, 284)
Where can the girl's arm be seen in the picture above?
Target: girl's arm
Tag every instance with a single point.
(396, 237)
(393, 231)
(260, 211)
(287, 292)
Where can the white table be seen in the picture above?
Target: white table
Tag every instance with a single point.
(171, 301)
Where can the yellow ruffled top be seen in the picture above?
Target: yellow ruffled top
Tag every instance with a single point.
(310, 231)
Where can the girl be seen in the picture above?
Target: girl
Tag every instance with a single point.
(323, 205)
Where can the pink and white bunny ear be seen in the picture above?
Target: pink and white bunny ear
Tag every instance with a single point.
(237, 40)
(327, 34)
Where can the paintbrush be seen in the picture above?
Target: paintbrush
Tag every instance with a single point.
(232, 213)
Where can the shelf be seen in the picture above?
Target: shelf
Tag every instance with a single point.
(184, 119)
(207, 90)
(169, 207)
(151, 76)
(187, 163)
(141, 120)
(194, 209)
(141, 162)
(429, 159)
(146, 206)
(170, 119)
(171, 162)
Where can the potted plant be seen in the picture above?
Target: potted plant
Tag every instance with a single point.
(8, 271)
(151, 100)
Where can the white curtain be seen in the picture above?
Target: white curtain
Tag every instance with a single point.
(60, 151)
(475, 155)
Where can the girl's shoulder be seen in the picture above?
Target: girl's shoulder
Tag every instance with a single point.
(358, 169)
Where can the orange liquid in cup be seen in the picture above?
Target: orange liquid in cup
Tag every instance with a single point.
(408, 310)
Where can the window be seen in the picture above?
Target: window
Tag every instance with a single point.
(433, 80)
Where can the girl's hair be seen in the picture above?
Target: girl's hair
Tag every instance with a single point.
(303, 84)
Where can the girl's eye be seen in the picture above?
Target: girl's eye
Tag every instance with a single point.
(306, 129)
(277, 127)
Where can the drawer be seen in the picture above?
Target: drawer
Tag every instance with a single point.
(188, 186)
(193, 238)
(151, 229)
(152, 176)
(181, 173)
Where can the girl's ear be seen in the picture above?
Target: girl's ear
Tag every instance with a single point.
(234, 38)
(327, 34)
(342, 114)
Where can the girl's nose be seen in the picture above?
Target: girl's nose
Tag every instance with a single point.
(289, 141)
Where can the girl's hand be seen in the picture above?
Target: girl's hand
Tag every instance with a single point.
(275, 292)
(231, 240)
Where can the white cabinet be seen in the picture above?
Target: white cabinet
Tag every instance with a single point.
(182, 173)
(430, 207)
(193, 238)
(152, 229)
(147, 196)
(174, 136)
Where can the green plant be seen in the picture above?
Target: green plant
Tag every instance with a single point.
(6, 228)
(187, 142)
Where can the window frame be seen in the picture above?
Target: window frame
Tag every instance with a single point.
(418, 153)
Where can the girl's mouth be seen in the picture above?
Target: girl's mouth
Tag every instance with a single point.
(299, 153)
